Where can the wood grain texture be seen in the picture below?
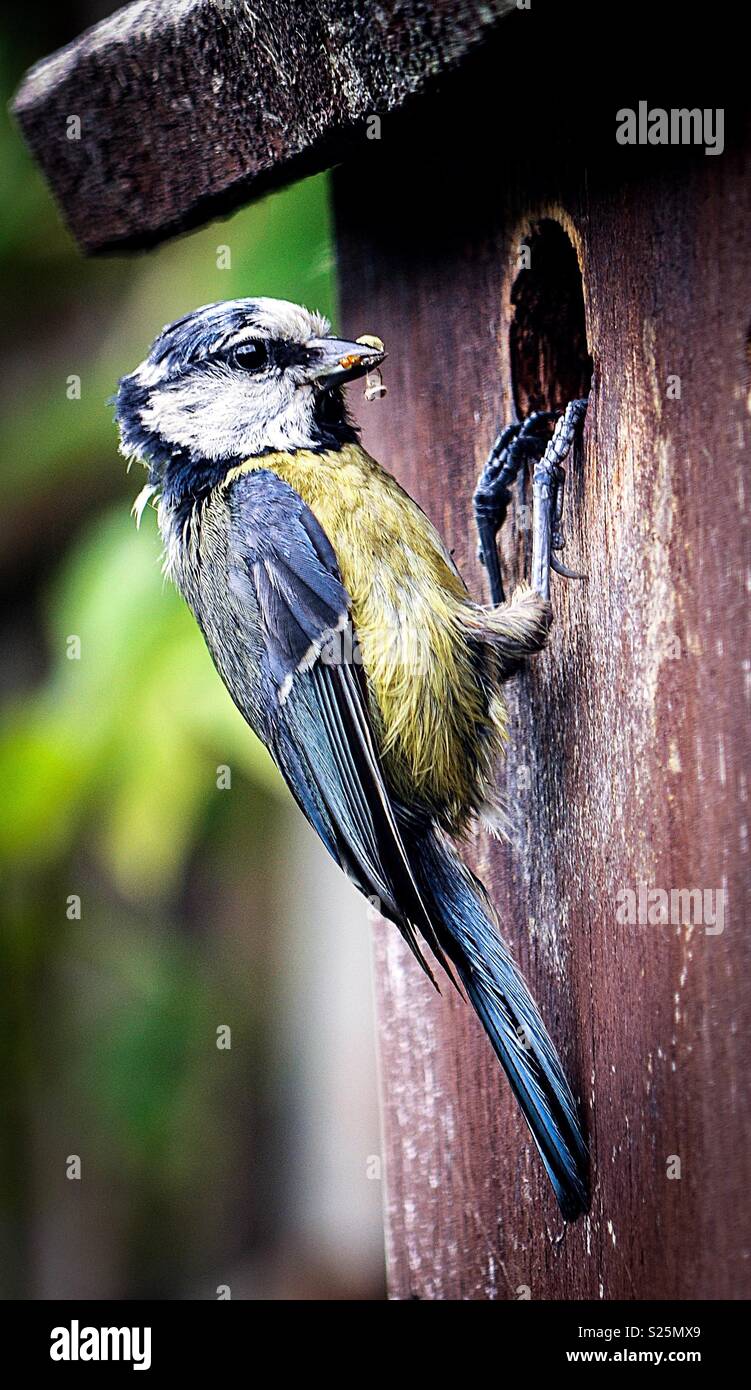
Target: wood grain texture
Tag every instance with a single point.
(628, 760)
(188, 108)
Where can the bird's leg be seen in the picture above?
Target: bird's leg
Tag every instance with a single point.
(490, 502)
(547, 504)
(514, 447)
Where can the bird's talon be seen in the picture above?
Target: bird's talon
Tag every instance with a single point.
(564, 570)
(549, 482)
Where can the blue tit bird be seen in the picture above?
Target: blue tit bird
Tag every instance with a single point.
(346, 637)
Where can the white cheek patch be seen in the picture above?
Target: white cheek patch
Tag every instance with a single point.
(195, 413)
(228, 414)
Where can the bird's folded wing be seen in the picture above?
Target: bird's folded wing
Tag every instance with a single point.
(320, 731)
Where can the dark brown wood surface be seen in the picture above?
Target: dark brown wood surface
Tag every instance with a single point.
(188, 108)
(629, 736)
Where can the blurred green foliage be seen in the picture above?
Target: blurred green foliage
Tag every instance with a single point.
(131, 720)
(108, 760)
(123, 738)
(121, 742)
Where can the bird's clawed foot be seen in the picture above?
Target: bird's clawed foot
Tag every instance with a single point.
(548, 482)
(516, 446)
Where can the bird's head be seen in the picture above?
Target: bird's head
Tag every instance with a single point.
(233, 380)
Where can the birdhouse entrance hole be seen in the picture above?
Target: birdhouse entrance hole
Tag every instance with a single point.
(550, 360)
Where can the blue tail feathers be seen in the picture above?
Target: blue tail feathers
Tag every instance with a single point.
(463, 924)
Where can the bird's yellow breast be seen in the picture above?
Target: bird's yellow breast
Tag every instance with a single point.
(409, 609)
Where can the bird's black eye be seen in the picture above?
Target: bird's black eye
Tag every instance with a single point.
(251, 356)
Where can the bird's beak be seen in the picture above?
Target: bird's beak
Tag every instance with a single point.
(332, 361)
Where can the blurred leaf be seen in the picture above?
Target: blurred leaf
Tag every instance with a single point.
(43, 771)
(108, 763)
(146, 1050)
(131, 734)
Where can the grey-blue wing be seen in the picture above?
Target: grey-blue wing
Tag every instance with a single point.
(319, 728)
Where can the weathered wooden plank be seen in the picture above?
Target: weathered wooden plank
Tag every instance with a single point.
(189, 109)
(628, 762)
